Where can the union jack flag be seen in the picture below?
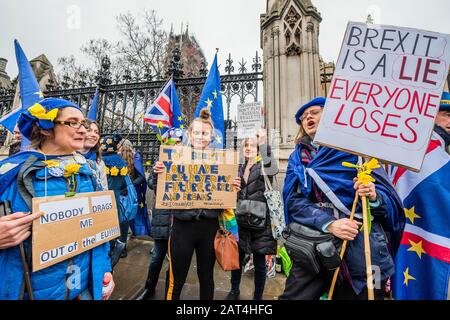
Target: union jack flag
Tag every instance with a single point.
(165, 112)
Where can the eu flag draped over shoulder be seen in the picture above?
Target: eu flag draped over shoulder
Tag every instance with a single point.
(165, 112)
(211, 98)
(30, 93)
(423, 260)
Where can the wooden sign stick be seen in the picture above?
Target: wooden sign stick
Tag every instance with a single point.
(367, 250)
(344, 247)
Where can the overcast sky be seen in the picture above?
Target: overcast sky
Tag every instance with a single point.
(52, 27)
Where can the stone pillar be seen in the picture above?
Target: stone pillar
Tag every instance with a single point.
(290, 43)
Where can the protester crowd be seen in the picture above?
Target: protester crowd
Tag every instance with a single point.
(68, 138)
(58, 150)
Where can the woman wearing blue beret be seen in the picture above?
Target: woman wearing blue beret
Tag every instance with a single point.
(56, 129)
(318, 193)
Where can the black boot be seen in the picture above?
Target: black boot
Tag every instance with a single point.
(233, 295)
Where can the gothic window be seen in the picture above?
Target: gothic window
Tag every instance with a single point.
(293, 27)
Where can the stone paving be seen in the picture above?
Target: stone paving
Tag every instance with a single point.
(131, 272)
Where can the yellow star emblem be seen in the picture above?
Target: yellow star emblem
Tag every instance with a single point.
(141, 205)
(411, 215)
(114, 171)
(180, 118)
(218, 139)
(215, 94)
(417, 248)
(181, 127)
(209, 103)
(407, 277)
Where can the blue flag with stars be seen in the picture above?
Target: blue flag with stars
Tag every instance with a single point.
(92, 114)
(30, 93)
(211, 98)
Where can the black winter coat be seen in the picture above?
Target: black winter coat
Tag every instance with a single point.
(251, 241)
(161, 219)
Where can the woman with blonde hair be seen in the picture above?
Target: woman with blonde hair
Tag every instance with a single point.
(193, 229)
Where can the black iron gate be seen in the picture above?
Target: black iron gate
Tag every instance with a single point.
(123, 99)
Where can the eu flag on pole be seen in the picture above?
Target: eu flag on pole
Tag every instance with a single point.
(211, 98)
(92, 113)
(165, 112)
(30, 93)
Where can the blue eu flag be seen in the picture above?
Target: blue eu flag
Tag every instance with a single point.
(92, 113)
(211, 98)
(30, 92)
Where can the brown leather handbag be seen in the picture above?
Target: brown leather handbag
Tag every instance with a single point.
(227, 252)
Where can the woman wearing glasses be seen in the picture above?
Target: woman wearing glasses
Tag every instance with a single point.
(56, 129)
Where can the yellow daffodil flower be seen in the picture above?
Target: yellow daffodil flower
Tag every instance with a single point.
(51, 163)
(71, 169)
(114, 171)
(124, 171)
(107, 170)
(365, 178)
(258, 158)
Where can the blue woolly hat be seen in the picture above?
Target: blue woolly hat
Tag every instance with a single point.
(110, 143)
(319, 102)
(42, 113)
(445, 102)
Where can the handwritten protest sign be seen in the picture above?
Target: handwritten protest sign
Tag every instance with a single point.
(249, 119)
(70, 226)
(196, 179)
(385, 93)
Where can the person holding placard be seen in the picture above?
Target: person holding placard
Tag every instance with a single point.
(56, 129)
(254, 240)
(318, 195)
(193, 229)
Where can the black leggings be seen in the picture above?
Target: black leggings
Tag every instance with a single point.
(185, 237)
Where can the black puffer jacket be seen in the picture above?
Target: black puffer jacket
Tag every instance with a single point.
(251, 241)
(161, 219)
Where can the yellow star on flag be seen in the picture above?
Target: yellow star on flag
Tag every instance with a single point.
(218, 139)
(209, 103)
(411, 215)
(181, 127)
(417, 248)
(141, 205)
(180, 118)
(407, 277)
(215, 94)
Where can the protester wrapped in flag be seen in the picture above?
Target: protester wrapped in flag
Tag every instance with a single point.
(318, 193)
(423, 260)
(211, 99)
